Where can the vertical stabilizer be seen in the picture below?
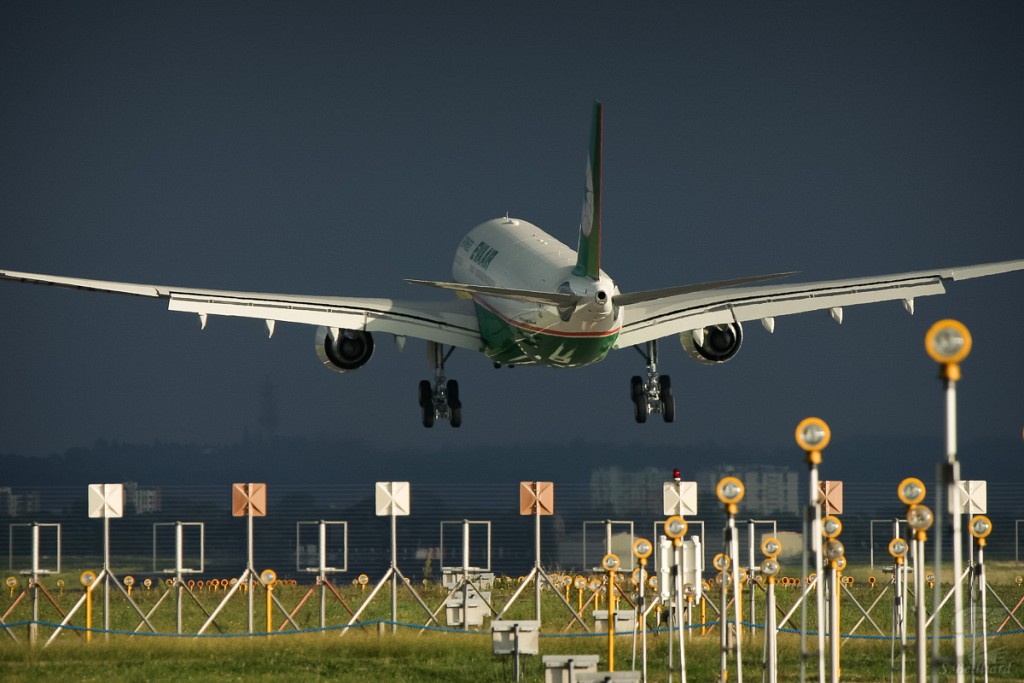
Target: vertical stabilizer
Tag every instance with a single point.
(588, 261)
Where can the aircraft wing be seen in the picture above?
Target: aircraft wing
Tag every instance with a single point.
(451, 322)
(655, 318)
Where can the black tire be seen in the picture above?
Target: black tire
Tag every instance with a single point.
(453, 395)
(640, 411)
(456, 417)
(427, 403)
(636, 388)
(668, 401)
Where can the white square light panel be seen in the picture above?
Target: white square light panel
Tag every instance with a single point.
(973, 497)
(106, 500)
(392, 498)
(680, 498)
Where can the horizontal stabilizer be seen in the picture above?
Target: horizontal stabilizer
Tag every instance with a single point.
(551, 298)
(655, 294)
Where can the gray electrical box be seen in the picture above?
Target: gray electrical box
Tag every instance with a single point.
(507, 637)
(625, 620)
(566, 668)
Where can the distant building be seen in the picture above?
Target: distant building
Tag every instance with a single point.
(770, 489)
(627, 494)
(18, 504)
(141, 500)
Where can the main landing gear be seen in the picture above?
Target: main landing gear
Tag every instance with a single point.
(655, 395)
(440, 400)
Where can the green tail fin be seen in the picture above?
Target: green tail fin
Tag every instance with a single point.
(588, 261)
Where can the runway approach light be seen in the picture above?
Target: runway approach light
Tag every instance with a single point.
(911, 491)
(920, 518)
(898, 549)
(675, 527)
(610, 562)
(642, 548)
(981, 527)
(831, 526)
(770, 567)
(948, 342)
(812, 434)
(771, 547)
(721, 562)
(834, 550)
(730, 491)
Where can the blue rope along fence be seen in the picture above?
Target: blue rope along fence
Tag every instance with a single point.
(442, 629)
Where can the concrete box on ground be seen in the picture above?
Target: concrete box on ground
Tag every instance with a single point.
(625, 620)
(504, 635)
(566, 668)
(609, 677)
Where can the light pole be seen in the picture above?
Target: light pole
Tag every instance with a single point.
(730, 492)
(610, 563)
(834, 552)
(642, 549)
(770, 569)
(898, 549)
(981, 527)
(919, 518)
(812, 435)
(948, 342)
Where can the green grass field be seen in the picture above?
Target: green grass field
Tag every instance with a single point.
(373, 653)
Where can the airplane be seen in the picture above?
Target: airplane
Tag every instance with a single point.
(524, 298)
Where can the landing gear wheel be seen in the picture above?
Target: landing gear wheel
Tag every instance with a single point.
(668, 401)
(454, 404)
(427, 403)
(636, 388)
(640, 410)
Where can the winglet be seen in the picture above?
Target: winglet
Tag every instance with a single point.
(588, 260)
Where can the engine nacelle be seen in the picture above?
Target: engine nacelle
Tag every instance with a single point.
(714, 344)
(350, 350)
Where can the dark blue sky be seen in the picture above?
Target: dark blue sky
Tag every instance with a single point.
(332, 148)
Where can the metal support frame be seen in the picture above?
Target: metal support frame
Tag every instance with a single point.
(754, 568)
(249, 578)
(466, 581)
(392, 575)
(34, 586)
(607, 524)
(323, 583)
(107, 577)
(178, 585)
(536, 575)
(871, 534)
(1016, 540)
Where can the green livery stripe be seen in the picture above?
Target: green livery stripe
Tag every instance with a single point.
(511, 344)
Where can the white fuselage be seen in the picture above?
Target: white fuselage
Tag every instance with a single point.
(514, 254)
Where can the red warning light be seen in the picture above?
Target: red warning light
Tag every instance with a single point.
(675, 474)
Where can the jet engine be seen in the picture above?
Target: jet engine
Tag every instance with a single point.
(349, 350)
(714, 344)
